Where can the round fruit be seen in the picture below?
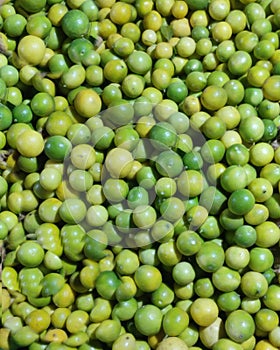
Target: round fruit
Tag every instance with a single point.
(75, 23)
(30, 143)
(140, 174)
(31, 49)
(239, 326)
(172, 343)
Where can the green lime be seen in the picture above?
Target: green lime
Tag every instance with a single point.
(197, 4)
(75, 23)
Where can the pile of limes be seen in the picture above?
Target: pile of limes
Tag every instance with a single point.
(140, 174)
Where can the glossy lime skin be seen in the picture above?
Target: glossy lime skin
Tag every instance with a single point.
(57, 148)
(139, 187)
(148, 320)
(75, 23)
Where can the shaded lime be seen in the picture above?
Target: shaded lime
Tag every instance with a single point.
(198, 4)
